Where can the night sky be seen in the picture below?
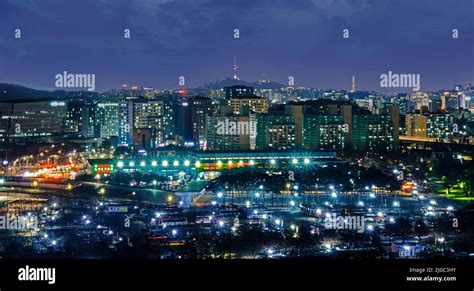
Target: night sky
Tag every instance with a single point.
(194, 38)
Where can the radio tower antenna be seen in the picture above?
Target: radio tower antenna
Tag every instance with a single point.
(235, 69)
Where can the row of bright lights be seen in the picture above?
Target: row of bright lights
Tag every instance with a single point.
(187, 163)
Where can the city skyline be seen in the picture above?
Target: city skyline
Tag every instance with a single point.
(169, 39)
(332, 136)
(204, 86)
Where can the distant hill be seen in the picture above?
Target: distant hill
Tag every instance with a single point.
(226, 82)
(17, 92)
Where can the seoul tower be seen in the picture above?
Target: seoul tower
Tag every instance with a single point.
(235, 77)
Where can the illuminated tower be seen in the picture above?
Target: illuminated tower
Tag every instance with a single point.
(353, 83)
(235, 69)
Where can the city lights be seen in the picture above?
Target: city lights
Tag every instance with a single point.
(220, 131)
